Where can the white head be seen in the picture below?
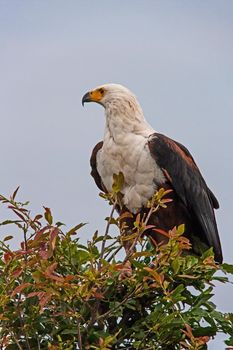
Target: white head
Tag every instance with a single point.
(121, 107)
(114, 96)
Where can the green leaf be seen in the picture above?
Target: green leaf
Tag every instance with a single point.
(111, 220)
(7, 222)
(82, 256)
(180, 229)
(176, 265)
(69, 331)
(229, 342)
(48, 216)
(205, 331)
(101, 238)
(191, 261)
(207, 253)
(75, 229)
(59, 224)
(176, 293)
(227, 268)
(118, 182)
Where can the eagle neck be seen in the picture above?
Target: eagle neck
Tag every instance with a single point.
(119, 126)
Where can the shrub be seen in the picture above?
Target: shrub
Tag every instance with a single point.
(56, 293)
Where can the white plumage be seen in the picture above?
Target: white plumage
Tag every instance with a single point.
(125, 148)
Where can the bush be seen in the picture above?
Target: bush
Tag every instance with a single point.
(56, 293)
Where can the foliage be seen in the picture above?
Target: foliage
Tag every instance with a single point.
(56, 293)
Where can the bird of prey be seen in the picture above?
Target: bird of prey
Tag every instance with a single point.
(149, 161)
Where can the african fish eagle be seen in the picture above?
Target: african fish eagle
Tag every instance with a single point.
(150, 161)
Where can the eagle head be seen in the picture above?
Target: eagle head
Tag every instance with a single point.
(122, 110)
(113, 96)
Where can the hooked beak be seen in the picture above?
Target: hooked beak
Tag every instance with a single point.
(86, 98)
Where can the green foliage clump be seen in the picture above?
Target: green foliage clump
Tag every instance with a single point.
(56, 293)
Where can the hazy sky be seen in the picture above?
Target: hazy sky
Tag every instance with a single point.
(176, 56)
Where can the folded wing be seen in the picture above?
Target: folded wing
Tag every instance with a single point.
(185, 178)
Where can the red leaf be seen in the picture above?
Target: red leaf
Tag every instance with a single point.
(40, 233)
(162, 232)
(5, 341)
(50, 269)
(167, 200)
(167, 191)
(17, 272)
(38, 217)
(56, 278)
(24, 252)
(44, 300)
(49, 273)
(45, 254)
(98, 295)
(15, 192)
(20, 288)
(53, 237)
(36, 294)
(69, 278)
(19, 209)
(188, 331)
(8, 256)
(148, 227)
(19, 215)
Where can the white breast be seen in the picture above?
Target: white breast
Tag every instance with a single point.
(131, 157)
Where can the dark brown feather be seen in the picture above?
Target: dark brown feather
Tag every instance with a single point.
(193, 202)
(93, 163)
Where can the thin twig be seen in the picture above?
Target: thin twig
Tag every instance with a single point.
(38, 343)
(105, 234)
(22, 324)
(79, 338)
(94, 312)
(111, 245)
(25, 243)
(16, 341)
(115, 253)
(131, 249)
(119, 304)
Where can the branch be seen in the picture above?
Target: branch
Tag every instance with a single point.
(105, 234)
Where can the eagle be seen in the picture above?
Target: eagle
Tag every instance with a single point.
(149, 161)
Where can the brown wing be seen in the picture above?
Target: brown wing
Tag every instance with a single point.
(94, 171)
(189, 186)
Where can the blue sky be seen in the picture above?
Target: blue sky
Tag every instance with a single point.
(176, 56)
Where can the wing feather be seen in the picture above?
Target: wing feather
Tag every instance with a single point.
(188, 183)
(94, 171)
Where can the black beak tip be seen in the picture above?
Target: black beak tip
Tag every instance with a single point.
(86, 98)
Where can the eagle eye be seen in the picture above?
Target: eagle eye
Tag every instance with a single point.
(101, 90)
